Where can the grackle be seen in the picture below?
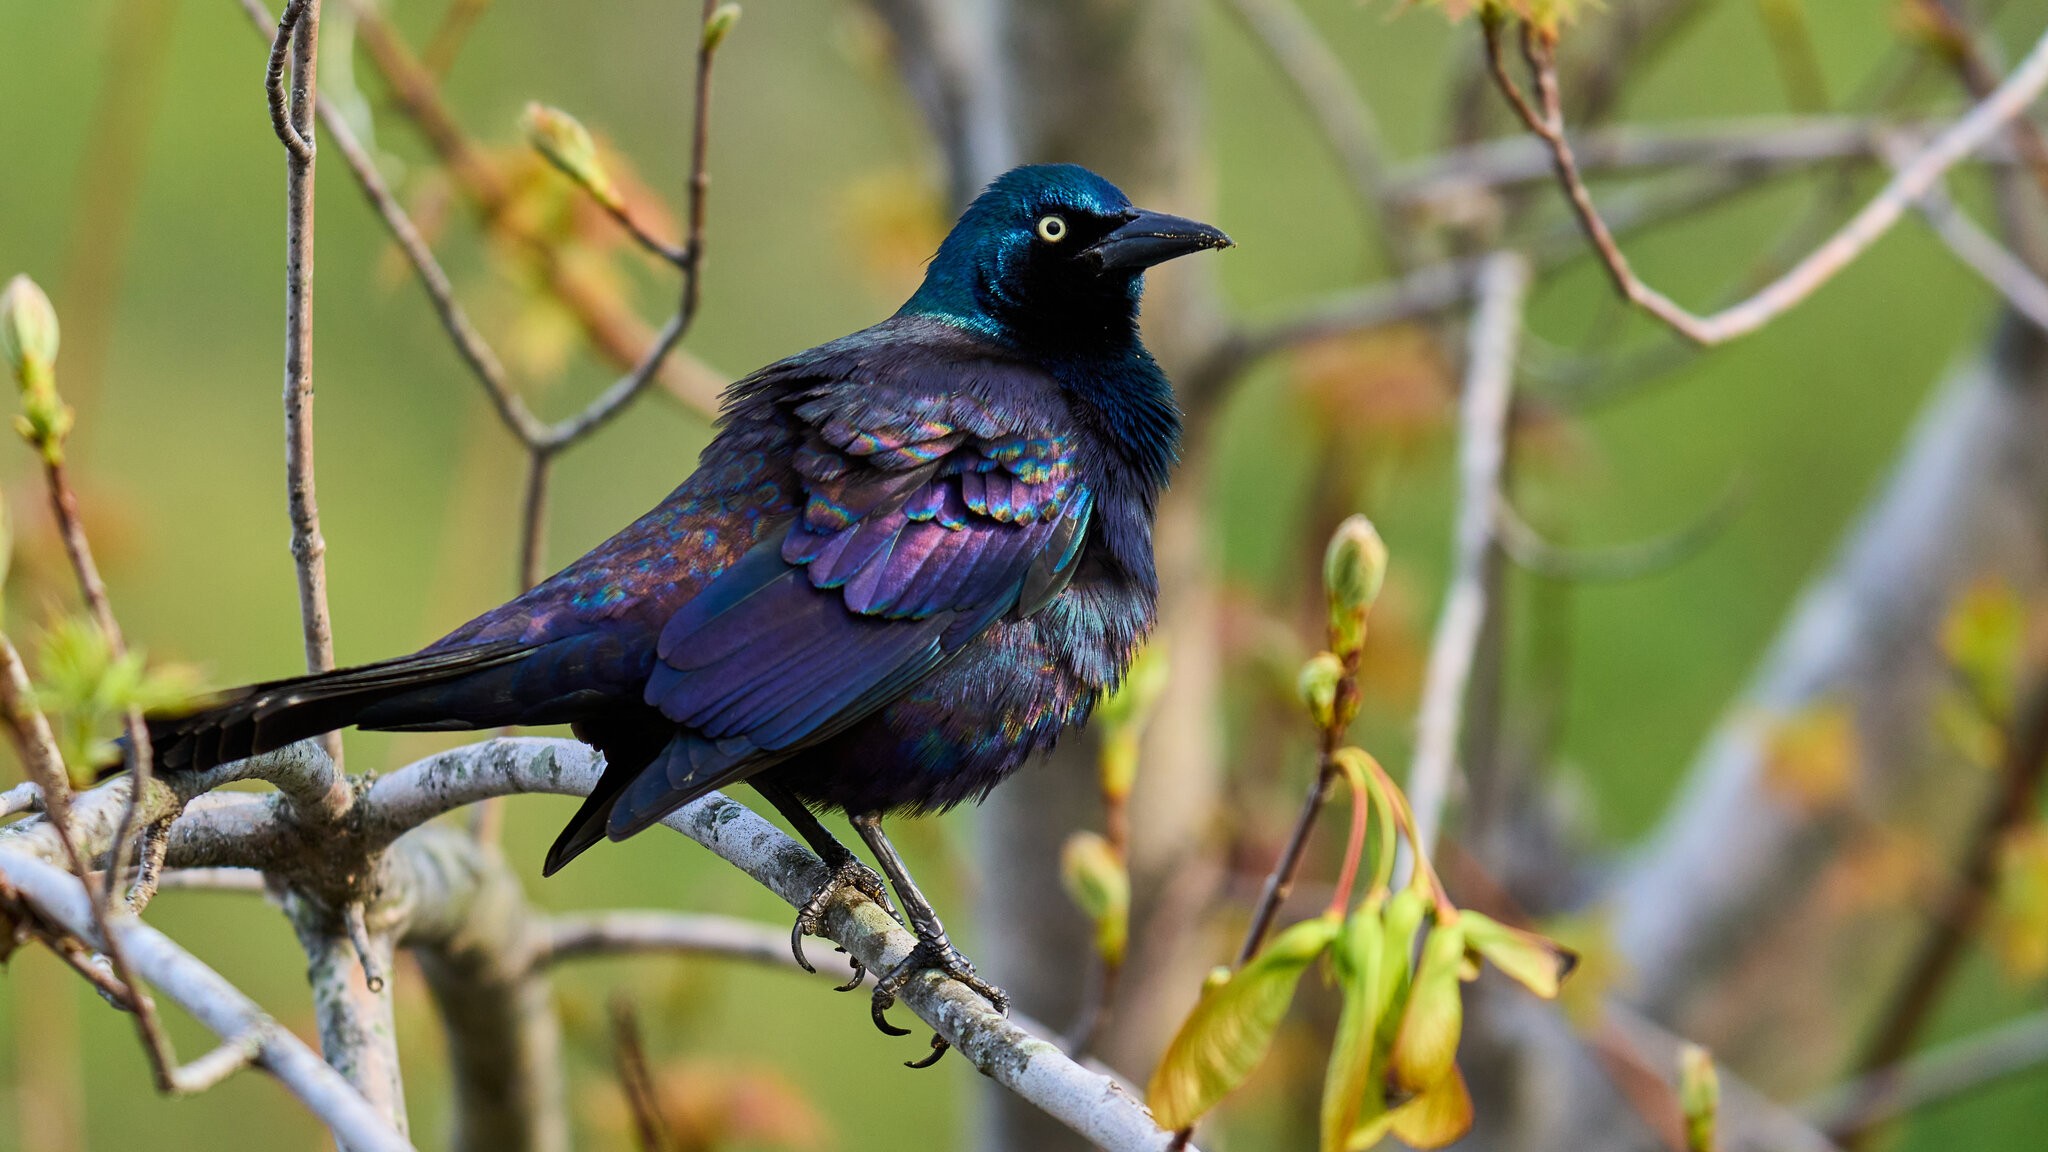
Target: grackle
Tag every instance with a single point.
(906, 562)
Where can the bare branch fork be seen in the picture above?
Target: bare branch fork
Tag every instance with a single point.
(1914, 178)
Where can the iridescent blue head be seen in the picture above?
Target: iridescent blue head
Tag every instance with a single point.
(1053, 255)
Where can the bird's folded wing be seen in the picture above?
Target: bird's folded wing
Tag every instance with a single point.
(915, 535)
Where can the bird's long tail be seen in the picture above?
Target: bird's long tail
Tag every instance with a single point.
(480, 686)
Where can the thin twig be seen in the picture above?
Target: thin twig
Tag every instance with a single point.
(309, 549)
(1955, 921)
(612, 329)
(137, 753)
(24, 797)
(1528, 548)
(30, 731)
(283, 115)
(1754, 146)
(1934, 1077)
(533, 518)
(1482, 449)
(1907, 186)
(1326, 91)
(636, 1082)
(618, 933)
(2006, 273)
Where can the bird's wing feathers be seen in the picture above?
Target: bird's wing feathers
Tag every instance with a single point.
(925, 518)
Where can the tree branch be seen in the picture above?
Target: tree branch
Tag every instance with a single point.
(217, 1004)
(1482, 454)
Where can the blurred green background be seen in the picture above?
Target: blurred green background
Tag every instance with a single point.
(178, 449)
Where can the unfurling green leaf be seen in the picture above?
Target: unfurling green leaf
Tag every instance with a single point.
(1100, 886)
(1699, 1097)
(86, 690)
(1535, 962)
(1426, 1047)
(1437, 1117)
(1354, 1088)
(1232, 1026)
(1354, 569)
(1317, 685)
(720, 25)
(567, 145)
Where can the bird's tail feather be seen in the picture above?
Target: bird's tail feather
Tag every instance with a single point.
(410, 691)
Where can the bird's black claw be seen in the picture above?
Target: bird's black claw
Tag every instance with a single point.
(932, 955)
(939, 1049)
(860, 972)
(809, 918)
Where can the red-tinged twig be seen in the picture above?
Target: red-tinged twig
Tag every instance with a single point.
(139, 756)
(1545, 118)
(612, 329)
(1956, 919)
(30, 731)
(452, 34)
(1960, 44)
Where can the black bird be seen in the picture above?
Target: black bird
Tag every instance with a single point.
(906, 562)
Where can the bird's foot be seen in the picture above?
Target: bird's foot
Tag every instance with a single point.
(849, 873)
(932, 954)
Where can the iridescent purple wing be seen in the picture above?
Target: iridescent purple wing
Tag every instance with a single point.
(922, 522)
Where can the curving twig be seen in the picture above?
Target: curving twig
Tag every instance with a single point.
(1544, 116)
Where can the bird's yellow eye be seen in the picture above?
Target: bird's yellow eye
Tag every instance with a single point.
(1052, 229)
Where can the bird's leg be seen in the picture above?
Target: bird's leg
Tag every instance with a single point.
(844, 868)
(933, 952)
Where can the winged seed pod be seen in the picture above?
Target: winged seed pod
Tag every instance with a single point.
(1405, 912)
(1354, 569)
(1354, 1112)
(1232, 1026)
(1436, 1118)
(1101, 887)
(1426, 1047)
(1535, 962)
(566, 144)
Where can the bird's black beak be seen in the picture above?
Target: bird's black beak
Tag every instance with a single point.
(1149, 238)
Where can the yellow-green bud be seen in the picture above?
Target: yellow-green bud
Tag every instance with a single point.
(1318, 684)
(28, 328)
(719, 26)
(1100, 886)
(567, 145)
(1354, 569)
(1699, 1097)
